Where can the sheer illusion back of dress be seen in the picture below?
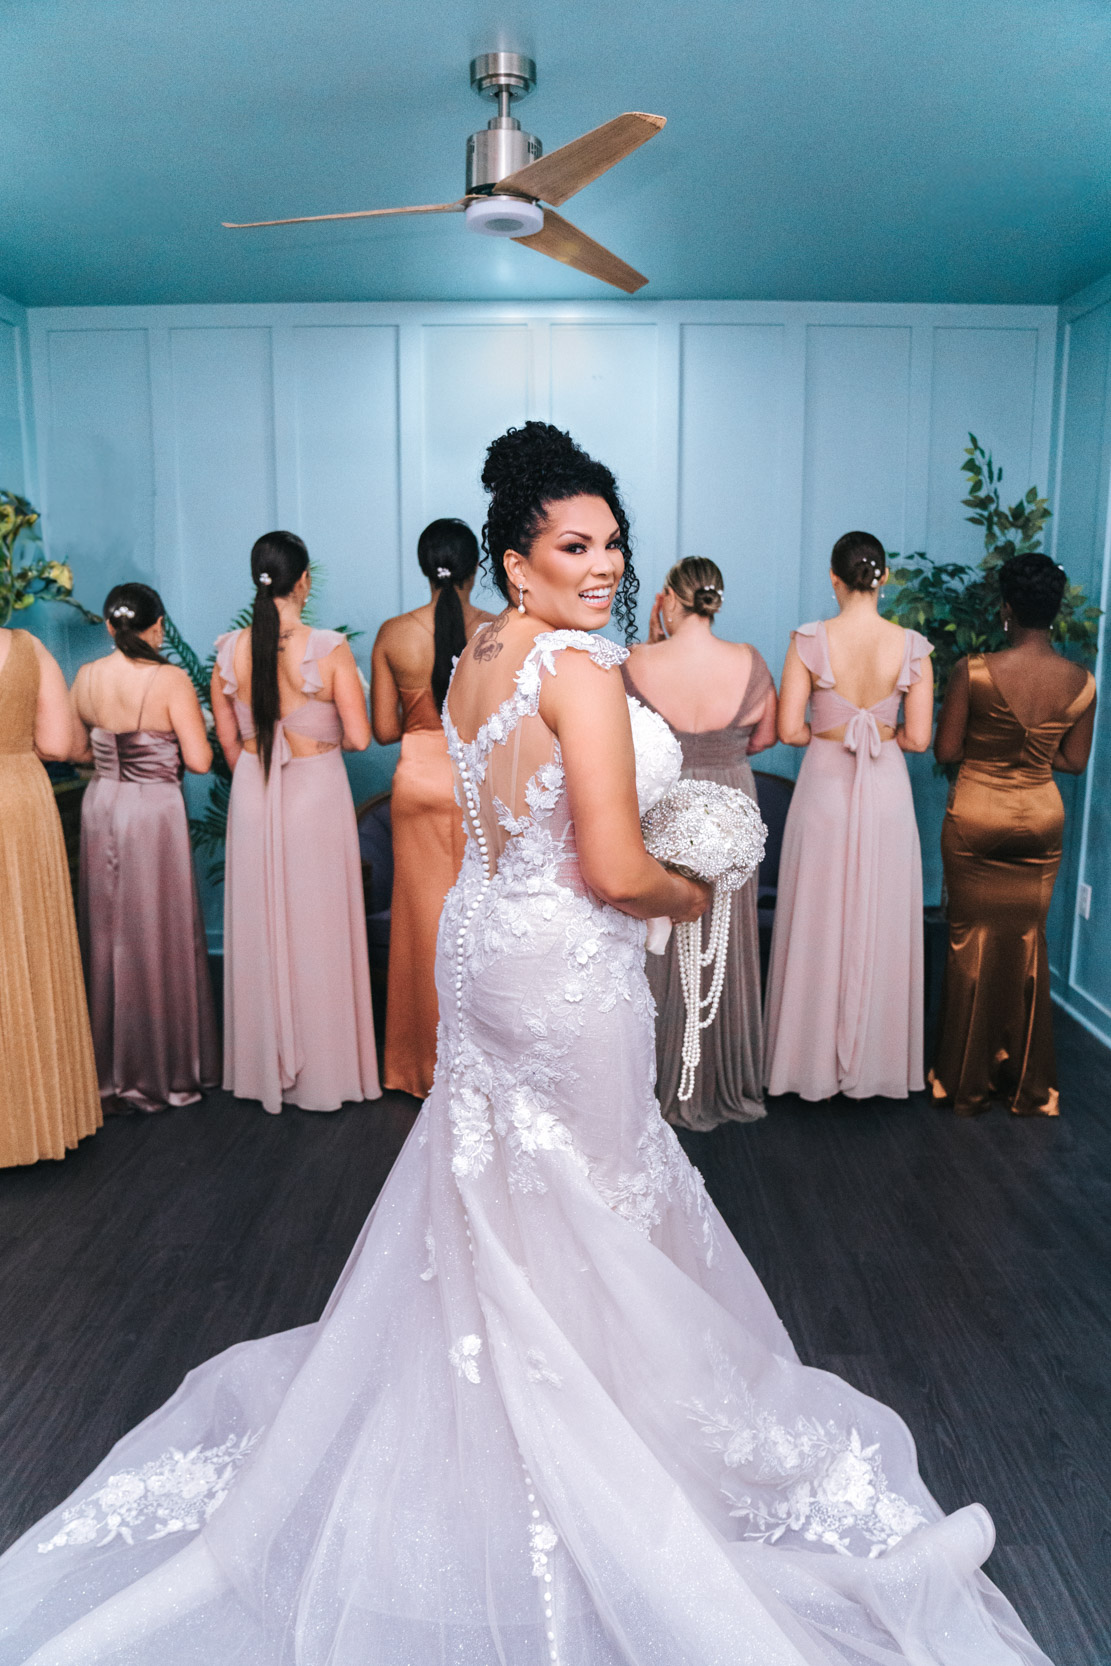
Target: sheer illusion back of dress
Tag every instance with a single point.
(509, 776)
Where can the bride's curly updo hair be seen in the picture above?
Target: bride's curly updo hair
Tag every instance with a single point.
(1033, 587)
(529, 468)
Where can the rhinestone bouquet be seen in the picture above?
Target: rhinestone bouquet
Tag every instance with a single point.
(713, 833)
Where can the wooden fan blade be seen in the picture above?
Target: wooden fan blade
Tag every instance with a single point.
(558, 176)
(357, 214)
(563, 241)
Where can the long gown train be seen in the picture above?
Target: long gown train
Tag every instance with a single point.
(549, 1415)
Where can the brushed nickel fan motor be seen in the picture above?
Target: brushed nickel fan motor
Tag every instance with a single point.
(501, 148)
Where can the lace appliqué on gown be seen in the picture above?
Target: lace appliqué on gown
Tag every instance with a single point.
(175, 1493)
(603, 964)
(808, 1477)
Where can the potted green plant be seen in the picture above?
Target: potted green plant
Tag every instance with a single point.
(956, 606)
(37, 580)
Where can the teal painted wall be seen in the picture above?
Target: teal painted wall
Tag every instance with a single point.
(1082, 543)
(169, 437)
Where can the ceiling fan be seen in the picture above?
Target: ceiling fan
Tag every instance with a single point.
(508, 177)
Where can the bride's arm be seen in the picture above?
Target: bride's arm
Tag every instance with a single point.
(585, 706)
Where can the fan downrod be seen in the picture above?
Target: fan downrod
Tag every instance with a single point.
(501, 147)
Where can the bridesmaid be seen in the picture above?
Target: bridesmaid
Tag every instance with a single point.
(142, 936)
(844, 1004)
(719, 700)
(48, 1093)
(410, 669)
(1010, 720)
(298, 1026)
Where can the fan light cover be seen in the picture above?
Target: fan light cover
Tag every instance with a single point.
(504, 217)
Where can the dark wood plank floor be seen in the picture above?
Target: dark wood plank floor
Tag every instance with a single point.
(957, 1270)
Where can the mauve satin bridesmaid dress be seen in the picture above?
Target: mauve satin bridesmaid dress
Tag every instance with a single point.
(428, 846)
(729, 1083)
(142, 935)
(298, 1024)
(844, 1006)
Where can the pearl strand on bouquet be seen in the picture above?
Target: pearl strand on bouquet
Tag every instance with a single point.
(692, 959)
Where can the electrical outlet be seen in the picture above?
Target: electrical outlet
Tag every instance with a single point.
(1084, 900)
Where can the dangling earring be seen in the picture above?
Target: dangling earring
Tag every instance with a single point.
(520, 598)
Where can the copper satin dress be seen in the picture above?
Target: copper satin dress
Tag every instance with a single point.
(48, 1091)
(142, 936)
(1001, 846)
(729, 1084)
(427, 854)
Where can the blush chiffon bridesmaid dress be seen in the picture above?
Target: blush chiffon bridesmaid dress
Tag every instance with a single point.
(844, 1007)
(298, 1024)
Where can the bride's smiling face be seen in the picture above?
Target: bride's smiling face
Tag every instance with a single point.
(571, 573)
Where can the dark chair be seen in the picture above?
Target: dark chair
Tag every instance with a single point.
(376, 850)
(773, 796)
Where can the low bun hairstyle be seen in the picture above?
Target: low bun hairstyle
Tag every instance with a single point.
(1033, 587)
(448, 554)
(697, 585)
(531, 467)
(859, 560)
(129, 609)
(278, 560)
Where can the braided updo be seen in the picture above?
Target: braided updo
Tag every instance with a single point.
(527, 469)
(1033, 587)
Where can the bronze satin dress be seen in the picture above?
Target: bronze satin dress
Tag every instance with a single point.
(48, 1089)
(1001, 846)
(427, 855)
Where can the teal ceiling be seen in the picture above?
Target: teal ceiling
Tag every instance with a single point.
(867, 150)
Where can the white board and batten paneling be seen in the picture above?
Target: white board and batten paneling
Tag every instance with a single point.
(169, 437)
(1082, 543)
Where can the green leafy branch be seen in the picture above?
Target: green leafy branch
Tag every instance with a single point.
(38, 580)
(958, 607)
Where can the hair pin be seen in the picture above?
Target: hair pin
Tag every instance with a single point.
(443, 572)
(122, 611)
(264, 578)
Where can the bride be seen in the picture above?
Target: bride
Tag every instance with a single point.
(549, 1416)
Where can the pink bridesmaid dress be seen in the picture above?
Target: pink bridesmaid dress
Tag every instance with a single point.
(844, 1003)
(298, 1025)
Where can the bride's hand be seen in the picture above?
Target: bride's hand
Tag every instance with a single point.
(697, 900)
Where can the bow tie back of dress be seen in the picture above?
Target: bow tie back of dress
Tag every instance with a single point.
(830, 710)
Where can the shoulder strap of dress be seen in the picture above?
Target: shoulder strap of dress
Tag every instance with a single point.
(759, 682)
(146, 690)
(812, 647)
(225, 660)
(916, 648)
(318, 647)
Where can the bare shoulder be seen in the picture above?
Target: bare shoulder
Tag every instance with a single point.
(176, 680)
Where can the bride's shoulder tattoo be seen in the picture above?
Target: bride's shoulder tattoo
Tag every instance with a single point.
(488, 646)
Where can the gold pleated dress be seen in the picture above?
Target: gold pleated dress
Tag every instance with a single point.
(1001, 847)
(48, 1087)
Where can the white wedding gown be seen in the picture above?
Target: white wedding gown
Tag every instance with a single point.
(549, 1415)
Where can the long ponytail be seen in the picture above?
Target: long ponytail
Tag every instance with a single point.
(448, 554)
(278, 560)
